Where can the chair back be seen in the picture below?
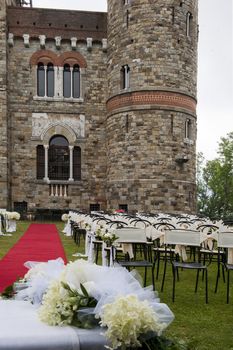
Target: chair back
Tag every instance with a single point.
(182, 237)
(131, 235)
(225, 239)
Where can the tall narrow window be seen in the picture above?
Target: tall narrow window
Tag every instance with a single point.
(77, 163)
(76, 81)
(189, 18)
(40, 80)
(172, 123)
(127, 123)
(66, 81)
(125, 72)
(58, 158)
(127, 18)
(188, 129)
(50, 80)
(40, 162)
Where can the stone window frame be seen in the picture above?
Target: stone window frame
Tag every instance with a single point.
(69, 135)
(72, 71)
(47, 80)
(58, 61)
(188, 131)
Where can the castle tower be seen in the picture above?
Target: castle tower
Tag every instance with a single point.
(151, 106)
(3, 108)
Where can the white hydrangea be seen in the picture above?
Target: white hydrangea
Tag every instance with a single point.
(57, 308)
(12, 215)
(126, 319)
(65, 217)
(75, 273)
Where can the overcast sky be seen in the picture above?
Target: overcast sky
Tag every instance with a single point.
(215, 72)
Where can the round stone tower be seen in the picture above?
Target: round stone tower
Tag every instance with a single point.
(151, 105)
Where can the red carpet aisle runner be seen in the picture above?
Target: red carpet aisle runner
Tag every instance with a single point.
(41, 242)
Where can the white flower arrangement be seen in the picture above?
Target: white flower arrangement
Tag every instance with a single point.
(128, 318)
(87, 226)
(106, 235)
(86, 295)
(65, 217)
(12, 215)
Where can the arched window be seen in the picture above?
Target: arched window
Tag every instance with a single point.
(77, 163)
(76, 81)
(58, 158)
(50, 80)
(66, 81)
(125, 71)
(40, 79)
(189, 18)
(71, 81)
(45, 80)
(40, 162)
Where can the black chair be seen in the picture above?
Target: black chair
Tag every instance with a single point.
(159, 248)
(225, 241)
(141, 251)
(186, 238)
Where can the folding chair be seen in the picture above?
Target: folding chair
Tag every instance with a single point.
(137, 238)
(225, 240)
(186, 238)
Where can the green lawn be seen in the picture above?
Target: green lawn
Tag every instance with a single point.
(201, 326)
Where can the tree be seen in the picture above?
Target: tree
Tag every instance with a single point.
(215, 182)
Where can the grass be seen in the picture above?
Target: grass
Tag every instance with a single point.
(202, 326)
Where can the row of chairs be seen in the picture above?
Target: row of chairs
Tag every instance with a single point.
(147, 256)
(187, 239)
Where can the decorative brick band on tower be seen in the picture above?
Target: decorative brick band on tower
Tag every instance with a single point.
(153, 98)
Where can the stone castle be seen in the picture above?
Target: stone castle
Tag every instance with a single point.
(98, 110)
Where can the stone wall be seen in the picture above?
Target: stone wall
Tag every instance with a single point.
(151, 162)
(3, 110)
(133, 142)
(31, 116)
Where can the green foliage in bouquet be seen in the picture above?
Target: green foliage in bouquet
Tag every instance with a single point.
(81, 302)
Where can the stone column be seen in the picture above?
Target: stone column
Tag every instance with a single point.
(59, 82)
(46, 149)
(45, 80)
(71, 163)
(71, 82)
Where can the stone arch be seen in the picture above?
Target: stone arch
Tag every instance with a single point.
(72, 58)
(59, 129)
(44, 56)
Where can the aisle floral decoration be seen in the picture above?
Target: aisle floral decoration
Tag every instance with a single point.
(106, 235)
(80, 295)
(65, 217)
(12, 215)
